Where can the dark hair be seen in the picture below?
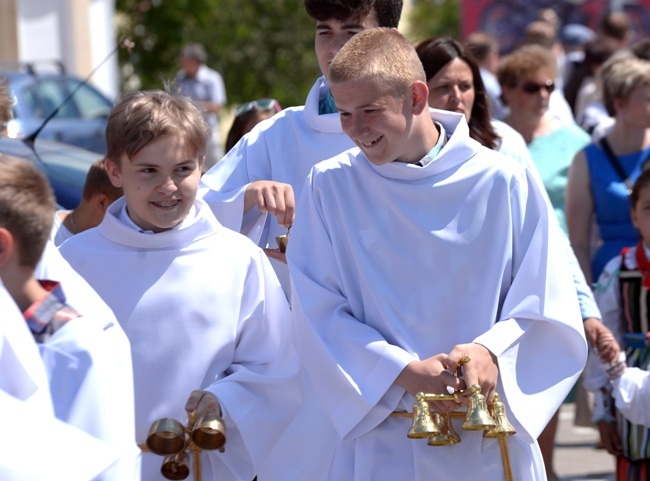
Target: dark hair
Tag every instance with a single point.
(239, 124)
(388, 11)
(616, 25)
(596, 53)
(481, 44)
(98, 182)
(642, 49)
(434, 54)
(641, 183)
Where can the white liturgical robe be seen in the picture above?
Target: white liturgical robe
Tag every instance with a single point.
(35, 446)
(283, 149)
(203, 310)
(396, 263)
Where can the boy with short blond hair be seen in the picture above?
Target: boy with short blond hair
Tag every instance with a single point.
(474, 285)
(90, 376)
(205, 314)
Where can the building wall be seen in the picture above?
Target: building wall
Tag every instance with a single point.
(78, 33)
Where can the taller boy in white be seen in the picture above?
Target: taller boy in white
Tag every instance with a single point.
(200, 303)
(265, 171)
(430, 248)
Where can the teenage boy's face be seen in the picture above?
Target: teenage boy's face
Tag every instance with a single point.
(332, 34)
(159, 182)
(375, 119)
(640, 214)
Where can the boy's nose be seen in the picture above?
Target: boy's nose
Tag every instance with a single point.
(167, 185)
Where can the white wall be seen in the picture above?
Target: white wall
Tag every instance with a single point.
(45, 32)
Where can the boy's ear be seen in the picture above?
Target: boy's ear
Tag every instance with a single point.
(420, 97)
(114, 173)
(101, 202)
(7, 246)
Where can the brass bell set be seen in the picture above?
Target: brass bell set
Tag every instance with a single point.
(168, 437)
(438, 429)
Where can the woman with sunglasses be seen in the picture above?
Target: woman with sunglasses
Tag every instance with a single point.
(247, 116)
(527, 81)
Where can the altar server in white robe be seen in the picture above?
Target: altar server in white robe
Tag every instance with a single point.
(205, 314)
(35, 445)
(412, 251)
(86, 355)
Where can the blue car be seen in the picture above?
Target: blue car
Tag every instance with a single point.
(81, 121)
(65, 166)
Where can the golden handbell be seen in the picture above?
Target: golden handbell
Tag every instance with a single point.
(447, 436)
(503, 427)
(209, 432)
(423, 425)
(176, 466)
(478, 417)
(166, 436)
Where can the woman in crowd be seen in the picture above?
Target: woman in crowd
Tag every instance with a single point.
(247, 116)
(527, 81)
(602, 174)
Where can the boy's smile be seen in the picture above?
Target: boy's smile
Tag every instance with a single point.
(376, 120)
(159, 183)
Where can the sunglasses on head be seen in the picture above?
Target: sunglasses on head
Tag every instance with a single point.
(533, 88)
(258, 105)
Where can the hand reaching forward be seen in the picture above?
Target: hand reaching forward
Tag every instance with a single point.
(202, 402)
(276, 198)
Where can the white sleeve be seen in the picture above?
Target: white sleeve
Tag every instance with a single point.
(632, 395)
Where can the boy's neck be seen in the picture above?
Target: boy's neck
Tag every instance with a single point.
(24, 288)
(426, 136)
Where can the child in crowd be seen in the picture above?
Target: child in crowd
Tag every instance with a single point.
(205, 314)
(86, 360)
(475, 278)
(622, 406)
(97, 195)
(247, 116)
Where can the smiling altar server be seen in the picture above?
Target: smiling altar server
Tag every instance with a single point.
(430, 248)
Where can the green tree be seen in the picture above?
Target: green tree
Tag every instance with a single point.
(262, 48)
(432, 18)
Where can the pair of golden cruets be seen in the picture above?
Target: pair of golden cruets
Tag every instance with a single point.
(168, 437)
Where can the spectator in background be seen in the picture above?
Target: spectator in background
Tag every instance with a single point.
(97, 195)
(247, 116)
(583, 92)
(543, 33)
(616, 30)
(6, 103)
(599, 184)
(206, 88)
(485, 49)
(574, 38)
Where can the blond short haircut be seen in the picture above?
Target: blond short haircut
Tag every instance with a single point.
(26, 207)
(142, 117)
(381, 55)
(620, 75)
(525, 61)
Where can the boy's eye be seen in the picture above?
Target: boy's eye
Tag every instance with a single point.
(147, 170)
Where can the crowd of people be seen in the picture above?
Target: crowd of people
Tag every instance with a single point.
(458, 222)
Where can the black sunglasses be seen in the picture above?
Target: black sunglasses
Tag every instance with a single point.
(533, 88)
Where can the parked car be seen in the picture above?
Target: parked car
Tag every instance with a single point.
(65, 166)
(81, 121)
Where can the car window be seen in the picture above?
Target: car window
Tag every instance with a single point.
(46, 95)
(89, 103)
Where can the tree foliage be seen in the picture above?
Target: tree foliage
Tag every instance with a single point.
(433, 18)
(262, 48)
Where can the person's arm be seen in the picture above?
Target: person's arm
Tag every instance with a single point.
(579, 211)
